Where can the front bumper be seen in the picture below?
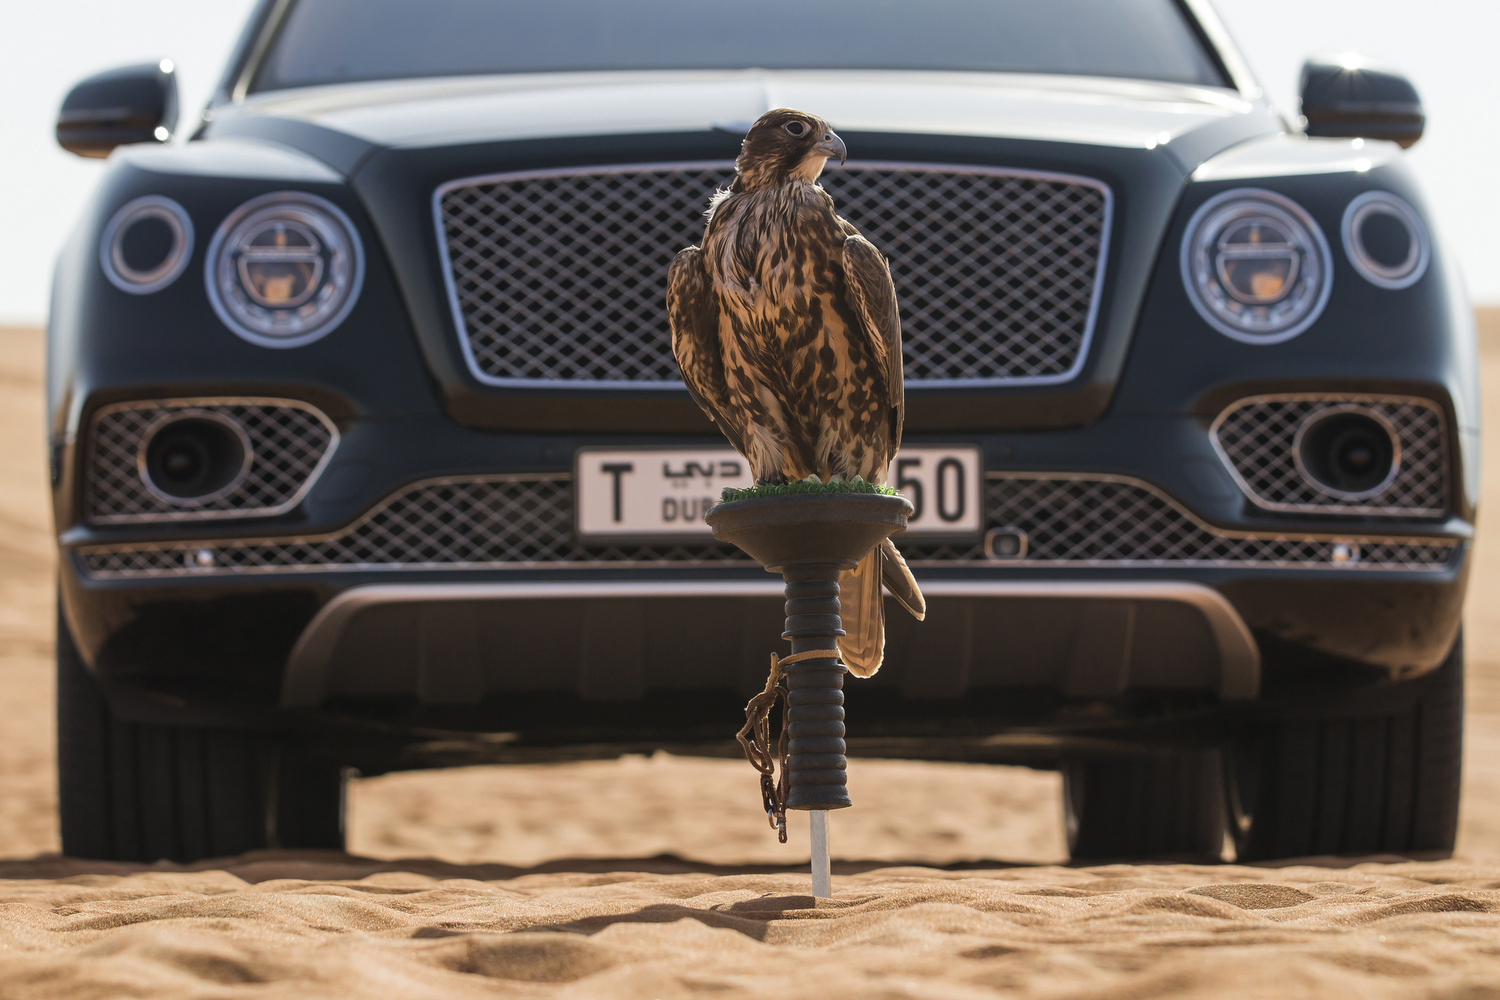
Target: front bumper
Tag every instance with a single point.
(469, 587)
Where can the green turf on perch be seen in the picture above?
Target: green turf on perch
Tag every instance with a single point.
(804, 486)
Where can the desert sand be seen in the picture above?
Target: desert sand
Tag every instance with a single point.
(657, 877)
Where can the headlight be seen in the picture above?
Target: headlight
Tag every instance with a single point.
(284, 269)
(1385, 240)
(1256, 266)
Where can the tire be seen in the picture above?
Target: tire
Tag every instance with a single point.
(134, 792)
(1161, 804)
(1383, 781)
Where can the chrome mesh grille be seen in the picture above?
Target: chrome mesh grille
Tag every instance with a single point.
(513, 522)
(1255, 439)
(561, 275)
(290, 442)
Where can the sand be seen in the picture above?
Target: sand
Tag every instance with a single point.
(657, 877)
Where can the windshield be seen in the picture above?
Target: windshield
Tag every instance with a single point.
(336, 41)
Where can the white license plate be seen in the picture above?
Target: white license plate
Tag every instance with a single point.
(663, 493)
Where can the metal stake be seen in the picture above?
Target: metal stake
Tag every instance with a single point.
(818, 827)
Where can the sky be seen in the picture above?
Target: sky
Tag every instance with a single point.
(1445, 46)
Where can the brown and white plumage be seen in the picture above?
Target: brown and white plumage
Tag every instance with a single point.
(786, 329)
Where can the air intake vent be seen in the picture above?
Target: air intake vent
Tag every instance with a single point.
(526, 522)
(1287, 453)
(254, 458)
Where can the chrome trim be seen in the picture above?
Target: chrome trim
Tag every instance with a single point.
(460, 327)
(1420, 466)
(257, 55)
(303, 680)
(173, 408)
(1223, 44)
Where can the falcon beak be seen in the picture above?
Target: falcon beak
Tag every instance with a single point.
(831, 145)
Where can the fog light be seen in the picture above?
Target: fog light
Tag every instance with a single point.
(1349, 452)
(194, 457)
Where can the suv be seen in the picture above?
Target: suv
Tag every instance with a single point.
(369, 452)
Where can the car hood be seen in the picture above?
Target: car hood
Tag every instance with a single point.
(461, 110)
(398, 142)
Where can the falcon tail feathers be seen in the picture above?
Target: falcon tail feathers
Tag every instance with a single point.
(900, 582)
(862, 647)
(862, 606)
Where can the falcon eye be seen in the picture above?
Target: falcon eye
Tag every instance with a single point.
(796, 128)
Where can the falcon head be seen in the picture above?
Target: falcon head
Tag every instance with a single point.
(785, 145)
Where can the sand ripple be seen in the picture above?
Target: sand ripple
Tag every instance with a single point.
(1374, 930)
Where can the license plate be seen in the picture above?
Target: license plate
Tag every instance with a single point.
(663, 493)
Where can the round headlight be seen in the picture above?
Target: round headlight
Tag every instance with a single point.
(1385, 240)
(1256, 266)
(285, 269)
(146, 245)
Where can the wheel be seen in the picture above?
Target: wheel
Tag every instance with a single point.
(134, 792)
(1380, 781)
(1155, 804)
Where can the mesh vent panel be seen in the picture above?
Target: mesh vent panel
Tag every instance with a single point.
(527, 521)
(1116, 521)
(562, 275)
(290, 443)
(1256, 436)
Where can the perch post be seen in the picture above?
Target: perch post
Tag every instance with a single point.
(810, 539)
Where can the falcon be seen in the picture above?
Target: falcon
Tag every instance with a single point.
(785, 325)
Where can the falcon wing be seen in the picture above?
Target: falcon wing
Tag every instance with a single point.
(694, 316)
(872, 295)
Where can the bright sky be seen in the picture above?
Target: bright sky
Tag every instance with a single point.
(1446, 46)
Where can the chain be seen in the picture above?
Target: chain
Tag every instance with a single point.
(756, 738)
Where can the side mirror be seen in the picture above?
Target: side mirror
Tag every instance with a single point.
(1345, 96)
(131, 104)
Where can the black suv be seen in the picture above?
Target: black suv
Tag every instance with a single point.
(369, 451)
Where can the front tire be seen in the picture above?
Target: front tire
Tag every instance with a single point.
(1155, 804)
(1379, 781)
(137, 792)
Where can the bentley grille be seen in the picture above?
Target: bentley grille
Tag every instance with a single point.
(560, 275)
